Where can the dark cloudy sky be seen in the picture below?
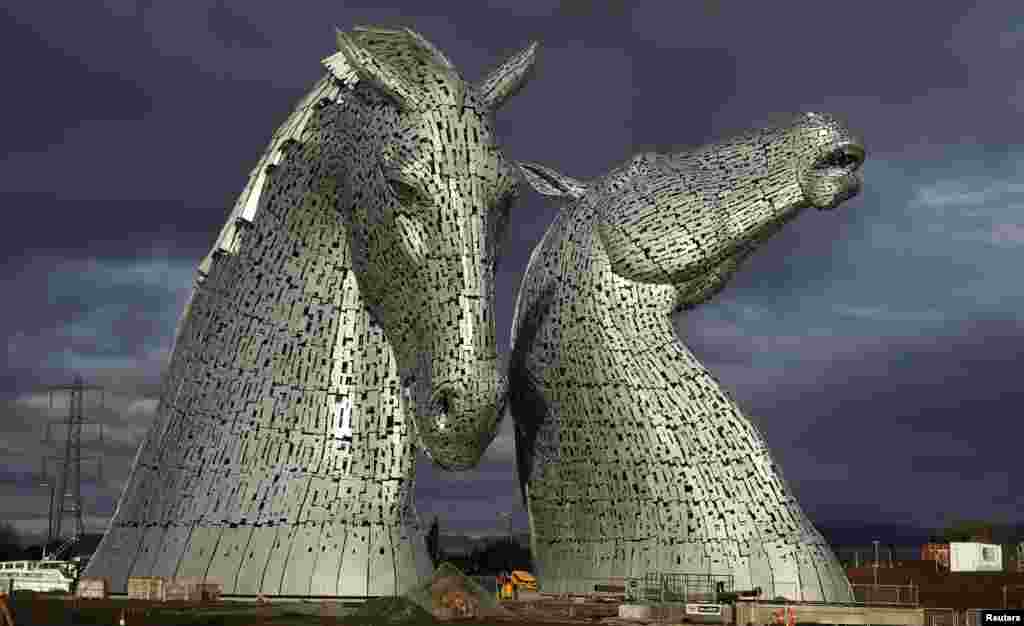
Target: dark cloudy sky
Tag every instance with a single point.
(877, 345)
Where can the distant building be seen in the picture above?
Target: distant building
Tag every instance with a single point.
(938, 552)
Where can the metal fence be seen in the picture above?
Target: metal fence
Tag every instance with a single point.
(683, 587)
(677, 587)
(943, 617)
(864, 556)
(1013, 596)
(886, 594)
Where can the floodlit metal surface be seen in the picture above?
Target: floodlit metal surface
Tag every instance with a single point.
(632, 457)
(281, 460)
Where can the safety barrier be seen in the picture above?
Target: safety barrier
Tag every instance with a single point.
(942, 617)
(677, 587)
(886, 594)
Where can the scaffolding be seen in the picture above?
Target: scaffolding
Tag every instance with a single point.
(66, 482)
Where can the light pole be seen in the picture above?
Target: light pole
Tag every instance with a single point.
(508, 525)
(508, 529)
(876, 542)
(49, 527)
(508, 549)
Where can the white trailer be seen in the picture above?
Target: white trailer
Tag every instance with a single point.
(38, 575)
(975, 557)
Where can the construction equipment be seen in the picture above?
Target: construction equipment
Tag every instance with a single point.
(524, 580)
(510, 585)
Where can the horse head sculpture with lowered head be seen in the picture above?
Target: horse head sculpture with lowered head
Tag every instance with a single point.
(425, 193)
(344, 315)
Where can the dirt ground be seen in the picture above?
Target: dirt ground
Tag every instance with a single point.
(56, 611)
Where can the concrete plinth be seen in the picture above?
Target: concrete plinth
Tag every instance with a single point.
(762, 613)
(675, 613)
(636, 611)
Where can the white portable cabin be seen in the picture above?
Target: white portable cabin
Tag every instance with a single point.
(975, 557)
(37, 575)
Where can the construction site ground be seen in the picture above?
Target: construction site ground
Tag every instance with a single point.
(56, 610)
(956, 590)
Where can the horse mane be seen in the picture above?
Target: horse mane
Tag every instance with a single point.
(399, 62)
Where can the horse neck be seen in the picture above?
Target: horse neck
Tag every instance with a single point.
(562, 292)
(320, 278)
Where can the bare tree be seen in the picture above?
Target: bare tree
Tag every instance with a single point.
(10, 542)
(968, 530)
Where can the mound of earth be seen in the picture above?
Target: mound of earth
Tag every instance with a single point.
(392, 610)
(451, 594)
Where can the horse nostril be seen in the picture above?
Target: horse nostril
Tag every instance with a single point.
(444, 402)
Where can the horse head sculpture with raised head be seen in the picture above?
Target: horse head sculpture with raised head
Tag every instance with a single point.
(632, 457)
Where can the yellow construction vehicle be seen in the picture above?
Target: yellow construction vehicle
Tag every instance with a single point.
(523, 580)
(510, 585)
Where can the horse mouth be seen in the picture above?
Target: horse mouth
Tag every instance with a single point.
(833, 177)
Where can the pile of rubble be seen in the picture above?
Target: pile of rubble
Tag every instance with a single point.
(450, 594)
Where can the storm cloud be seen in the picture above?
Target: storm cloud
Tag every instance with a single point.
(875, 345)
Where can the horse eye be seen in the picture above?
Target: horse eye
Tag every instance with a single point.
(405, 193)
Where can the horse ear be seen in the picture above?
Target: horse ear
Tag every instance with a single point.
(508, 78)
(548, 182)
(425, 45)
(373, 66)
